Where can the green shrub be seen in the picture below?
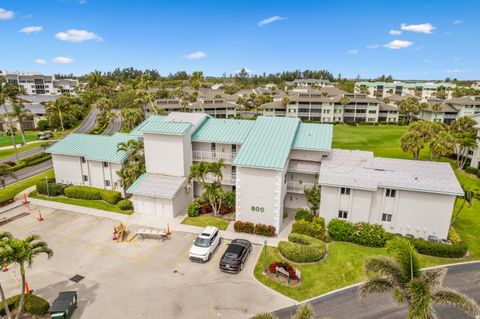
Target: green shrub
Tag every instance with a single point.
(473, 170)
(313, 229)
(371, 235)
(453, 236)
(438, 249)
(244, 227)
(193, 209)
(304, 214)
(340, 230)
(319, 220)
(54, 189)
(19, 166)
(83, 192)
(111, 197)
(229, 200)
(33, 305)
(125, 204)
(302, 248)
(264, 230)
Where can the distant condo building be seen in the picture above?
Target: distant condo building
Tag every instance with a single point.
(422, 90)
(39, 84)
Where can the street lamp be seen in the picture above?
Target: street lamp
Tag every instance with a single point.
(46, 183)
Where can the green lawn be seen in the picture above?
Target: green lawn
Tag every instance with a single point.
(204, 221)
(10, 152)
(6, 140)
(342, 267)
(13, 189)
(97, 204)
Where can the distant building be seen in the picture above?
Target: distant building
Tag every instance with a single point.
(310, 83)
(39, 84)
(451, 109)
(422, 90)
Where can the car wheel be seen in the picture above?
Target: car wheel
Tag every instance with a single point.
(241, 267)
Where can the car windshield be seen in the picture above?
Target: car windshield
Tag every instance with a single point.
(202, 242)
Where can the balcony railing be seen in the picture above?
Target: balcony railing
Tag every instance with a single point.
(304, 167)
(226, 179)
(298, 187)
(206, 156)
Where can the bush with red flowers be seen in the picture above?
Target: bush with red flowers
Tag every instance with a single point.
(285, 266)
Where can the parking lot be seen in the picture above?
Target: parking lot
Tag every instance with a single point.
(139, 279)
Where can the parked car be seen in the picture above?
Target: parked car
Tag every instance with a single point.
(235, 256)
(44, 135)
(205, 244)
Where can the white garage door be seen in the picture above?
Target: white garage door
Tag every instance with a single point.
(152, 206)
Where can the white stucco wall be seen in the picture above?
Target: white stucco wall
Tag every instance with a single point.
(305, 155)
(168, 154)
(417, 213)
(260, 188)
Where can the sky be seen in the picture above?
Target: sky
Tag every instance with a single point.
(410, 39)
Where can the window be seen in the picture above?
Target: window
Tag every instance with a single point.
(107, 182)
(213, 147)
(372, 112)
(345, 191)
(83, 159)
(386, 217)
(85, 178)
(105, 164)
(390, 193)
(234, 171)
(234, 148)
(343, 214)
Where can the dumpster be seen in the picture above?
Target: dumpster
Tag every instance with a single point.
(64, 305)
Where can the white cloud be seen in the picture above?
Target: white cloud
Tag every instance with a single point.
(6, 14)
(266, 21)
(195, 55)
(420, 28)
(77, 36)
(353, 51)
(456, 71)
(457, 21)
(40, 61)
(373, 46)
(62, 60)
(395, 32)
(31, 29)
(398, 44)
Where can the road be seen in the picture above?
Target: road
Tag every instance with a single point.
(36, 150)
(113, 126)
(28, 172)
(89, 122)
(347, 304)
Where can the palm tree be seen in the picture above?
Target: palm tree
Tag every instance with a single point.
(5, 171)
(131, 117)
(4, 236)
(134, 149)
(285, 101)
(408, 284)
(22, 252)
(412, 142)
(60, 106)
(442, 144)
(216, 169)
(436, 107)
(214, 194)
(97, 82)
(344, 101)
(410, 107)
(129, 174)
(468, 196)
(21, 113)
(198, 172)
(6, 90)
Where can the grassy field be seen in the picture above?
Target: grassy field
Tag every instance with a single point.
(204, 221)
(6, 140)
(342, 267)
(97, 204)
(13, 189)
(344, 263)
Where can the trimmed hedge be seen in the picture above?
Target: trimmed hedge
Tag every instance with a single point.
(302, 248)
(251, 228)
(426, 247)
(315, 229)
(32, 160)
(111, 197)
(33, 305)
(473, 170)
(125, 204)
(54, 189)
(371, 235)
(92, 193)
(304, 214)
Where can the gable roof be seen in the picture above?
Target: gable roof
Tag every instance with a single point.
(316, 137)
(268, 144)
(101, 148)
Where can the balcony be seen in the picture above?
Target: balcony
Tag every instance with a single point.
(226, 179)
(296, 166)
(298, 187)
(206, 156)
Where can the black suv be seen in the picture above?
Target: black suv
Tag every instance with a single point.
(235, 256)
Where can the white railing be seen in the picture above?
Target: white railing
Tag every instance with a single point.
(298, 187)
(226, 179)
(207, 156)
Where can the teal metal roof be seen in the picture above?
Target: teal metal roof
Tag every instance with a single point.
(172, 128)
(226, 131)
(268, 144)
(93, 147)
(151, 119)
(316, 137)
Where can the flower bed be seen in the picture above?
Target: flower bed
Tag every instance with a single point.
(284, 273)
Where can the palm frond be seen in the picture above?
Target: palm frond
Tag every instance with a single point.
(452, 297)
(375, 285)
(5, 235)
(386, 267)
(406, 256)
(31, 238)
(420, 300)
(434, 277)
(305, 311)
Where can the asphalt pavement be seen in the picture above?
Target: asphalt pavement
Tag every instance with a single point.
(28, 172)
(28, 153)
(89, 122)
(346, 304)
(113, 126)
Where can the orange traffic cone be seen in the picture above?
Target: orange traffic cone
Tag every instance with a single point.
(25, 199)
(114, 233)
(40, 218)
(27, 288)
(4, 267)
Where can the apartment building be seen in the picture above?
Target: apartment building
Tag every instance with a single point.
(475, 159)
(414, 198)
(217, 106)
(89, 160)
(450, 109)
(36, 83)
(310, 83)
(422, 90)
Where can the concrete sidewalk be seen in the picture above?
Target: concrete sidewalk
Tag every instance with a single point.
(175, 224)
